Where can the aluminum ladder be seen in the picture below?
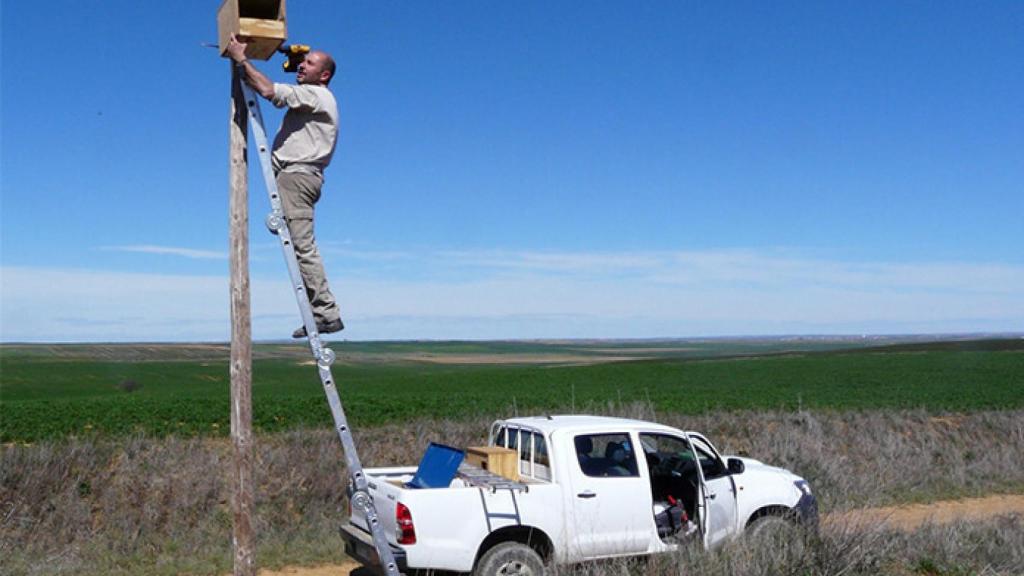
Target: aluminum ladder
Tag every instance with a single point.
(324, 356)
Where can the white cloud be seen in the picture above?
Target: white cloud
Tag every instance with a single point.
(556, 261)
(496, 294)
(169, 250)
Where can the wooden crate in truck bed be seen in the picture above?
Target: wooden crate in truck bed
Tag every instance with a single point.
(501, 461)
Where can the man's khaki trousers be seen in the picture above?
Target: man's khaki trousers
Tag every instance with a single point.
(299, 192)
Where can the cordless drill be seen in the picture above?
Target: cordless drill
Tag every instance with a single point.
(296, 53)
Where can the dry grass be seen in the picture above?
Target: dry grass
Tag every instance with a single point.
(161, 506)
(993, 547)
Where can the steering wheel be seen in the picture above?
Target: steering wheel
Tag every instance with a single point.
(677, 466)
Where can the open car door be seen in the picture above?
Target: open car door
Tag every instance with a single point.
(716, 494)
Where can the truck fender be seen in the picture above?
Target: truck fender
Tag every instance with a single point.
(528, 535)
(804, 513)
(776, 510)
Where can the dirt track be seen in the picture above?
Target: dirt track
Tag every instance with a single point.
(902, 517)
(913, 515)
(346, 569)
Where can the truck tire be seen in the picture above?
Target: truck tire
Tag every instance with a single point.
(774, 531)
(510, 559)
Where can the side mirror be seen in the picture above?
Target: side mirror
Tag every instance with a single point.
(735, 466)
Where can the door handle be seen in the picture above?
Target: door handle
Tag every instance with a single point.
(711, 496)
(587, 494)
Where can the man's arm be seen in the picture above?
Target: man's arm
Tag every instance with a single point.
(253, 77)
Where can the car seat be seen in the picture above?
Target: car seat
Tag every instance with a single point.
(584, 450)
(618, 460)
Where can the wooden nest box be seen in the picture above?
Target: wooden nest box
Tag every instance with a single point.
(259, 23)
(501, 461)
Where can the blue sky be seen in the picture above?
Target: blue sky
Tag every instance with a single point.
(530, 170)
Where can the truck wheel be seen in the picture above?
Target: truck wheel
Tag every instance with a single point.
(510, 559)
(774, 532)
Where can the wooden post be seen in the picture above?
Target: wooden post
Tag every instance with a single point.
(241, 334)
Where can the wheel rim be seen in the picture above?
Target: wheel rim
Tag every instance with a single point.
(515, 568)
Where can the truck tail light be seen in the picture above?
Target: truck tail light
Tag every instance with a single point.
(406, 530)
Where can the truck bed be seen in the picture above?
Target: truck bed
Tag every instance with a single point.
(483, 501)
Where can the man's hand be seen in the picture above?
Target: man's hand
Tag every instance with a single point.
(253, 77)
(236, 49)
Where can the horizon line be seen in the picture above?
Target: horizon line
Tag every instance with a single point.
(808, 336)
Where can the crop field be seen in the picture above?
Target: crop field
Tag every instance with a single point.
(54, 391)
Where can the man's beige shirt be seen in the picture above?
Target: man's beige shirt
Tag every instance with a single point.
(309, 130)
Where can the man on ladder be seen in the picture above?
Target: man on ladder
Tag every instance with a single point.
(301, 151)
(294, 177)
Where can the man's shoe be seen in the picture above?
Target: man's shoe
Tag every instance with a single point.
(322, 328)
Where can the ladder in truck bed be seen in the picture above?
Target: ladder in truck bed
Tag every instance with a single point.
(324, 356)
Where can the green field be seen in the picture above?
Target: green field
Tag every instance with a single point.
(54, 391)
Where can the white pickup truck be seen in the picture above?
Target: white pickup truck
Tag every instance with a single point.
(590, 487)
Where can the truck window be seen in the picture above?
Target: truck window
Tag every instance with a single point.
(661, 447)
(533, 455)
(601, 455)
(507, 438)
(532, 448)
(540, 453)
(710, 464)
(526, 446)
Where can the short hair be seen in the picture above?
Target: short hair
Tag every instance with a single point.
(329, 65)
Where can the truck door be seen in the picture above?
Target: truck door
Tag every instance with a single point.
(717, 491)
(610, 502)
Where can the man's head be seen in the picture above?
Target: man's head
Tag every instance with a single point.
(317, 68)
